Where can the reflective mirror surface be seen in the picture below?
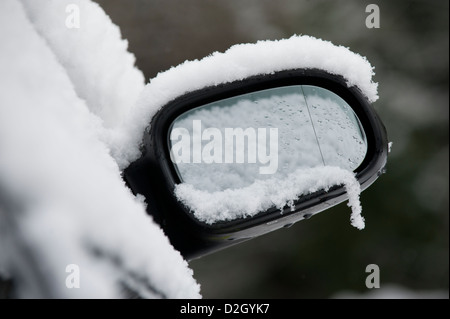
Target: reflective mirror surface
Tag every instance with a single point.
(231, 143)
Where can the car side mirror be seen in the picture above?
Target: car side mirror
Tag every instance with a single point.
(231, 161)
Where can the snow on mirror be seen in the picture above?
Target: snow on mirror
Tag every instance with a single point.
(231, 143)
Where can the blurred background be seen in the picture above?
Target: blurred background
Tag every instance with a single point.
(406, 210)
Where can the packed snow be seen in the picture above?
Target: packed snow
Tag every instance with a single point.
(314, 129)
(320, 143)
(230, 204)
(98, 64)
(62, 200)
(237, 63)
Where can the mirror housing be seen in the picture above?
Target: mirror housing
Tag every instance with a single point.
(154, 175)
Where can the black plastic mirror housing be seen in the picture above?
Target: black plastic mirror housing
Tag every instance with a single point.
(154, 175)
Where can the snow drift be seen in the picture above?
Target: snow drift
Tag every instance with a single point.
(62, 198)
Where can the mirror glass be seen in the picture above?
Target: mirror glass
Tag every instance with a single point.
(231, 143)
